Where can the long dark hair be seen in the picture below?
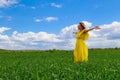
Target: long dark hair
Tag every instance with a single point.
(83, 25)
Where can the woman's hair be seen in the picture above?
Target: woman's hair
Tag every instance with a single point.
(82, 25)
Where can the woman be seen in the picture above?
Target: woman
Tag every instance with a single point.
(81, 50)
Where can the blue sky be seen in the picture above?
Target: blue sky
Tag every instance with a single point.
(71, 11)
(52, 16)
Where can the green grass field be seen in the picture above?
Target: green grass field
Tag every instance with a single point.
(59, 65)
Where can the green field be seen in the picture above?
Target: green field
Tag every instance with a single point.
(103, 64)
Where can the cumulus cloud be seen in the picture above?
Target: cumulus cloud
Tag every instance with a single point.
(56, 5)
(67, 31)
(112, 30)
(2, 29)
(108, 31)
(4, 37)
(29, 40)
(31, 36)
(7, 3)
(51, 19)
(32, 40)
(107, 37)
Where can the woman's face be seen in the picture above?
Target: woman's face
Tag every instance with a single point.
(80, 27)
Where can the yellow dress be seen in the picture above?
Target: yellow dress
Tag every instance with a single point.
(81, 50)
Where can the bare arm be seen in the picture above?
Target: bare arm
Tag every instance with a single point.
(96, 28)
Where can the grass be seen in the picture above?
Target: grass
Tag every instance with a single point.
(103, 64)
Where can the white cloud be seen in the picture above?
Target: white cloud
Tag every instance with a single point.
(109, 31)
(2, 29)
(51, 4)
(51, 19)
(7, 3)
(88, 24)
(48, 19)
(107, 37)
(4, 37)
(32, 40)
(29, 40)
(67, 31)
(5, 42)
(38, 20)
(56, 5)
(31, 36)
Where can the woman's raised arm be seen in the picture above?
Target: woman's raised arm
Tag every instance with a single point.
(96, 28)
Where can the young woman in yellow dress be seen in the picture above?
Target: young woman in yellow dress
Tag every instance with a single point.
(81, 50)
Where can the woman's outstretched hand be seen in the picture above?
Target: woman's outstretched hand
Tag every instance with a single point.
(97, 27)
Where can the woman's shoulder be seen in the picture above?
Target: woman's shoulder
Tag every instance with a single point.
(81, 31)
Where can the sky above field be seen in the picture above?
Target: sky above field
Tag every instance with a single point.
(48, 24)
